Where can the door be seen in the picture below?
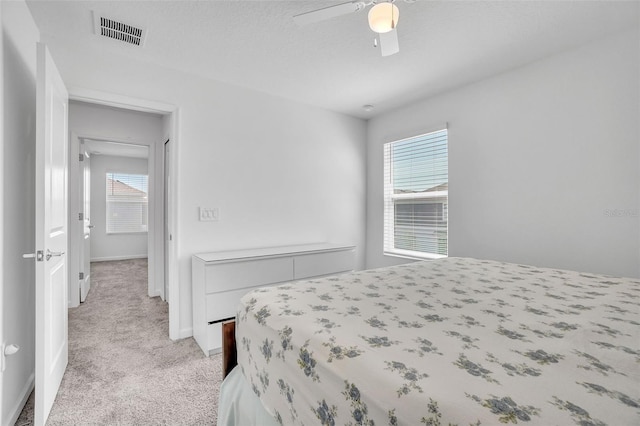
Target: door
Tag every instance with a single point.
(51, 234)
(85, 235)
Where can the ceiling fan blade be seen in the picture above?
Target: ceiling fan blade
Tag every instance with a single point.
(328, 12)
(389, 43)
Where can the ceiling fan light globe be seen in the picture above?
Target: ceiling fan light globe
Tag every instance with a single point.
(383, 17)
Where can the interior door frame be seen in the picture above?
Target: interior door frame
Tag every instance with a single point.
(167, 200)
(75, 239)
(2, 337)
(74, 208)
(156, 151)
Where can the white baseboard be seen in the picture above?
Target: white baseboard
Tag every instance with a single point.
(185, 332)
(126, 257)
(22, 400)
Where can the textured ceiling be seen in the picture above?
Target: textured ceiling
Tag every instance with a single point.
(333, 64)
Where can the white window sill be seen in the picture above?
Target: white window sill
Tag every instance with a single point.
(414, 256)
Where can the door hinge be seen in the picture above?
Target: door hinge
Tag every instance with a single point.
(81, 275)
(80, 216)
(80, 157)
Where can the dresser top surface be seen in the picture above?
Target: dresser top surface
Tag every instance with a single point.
(301, 249)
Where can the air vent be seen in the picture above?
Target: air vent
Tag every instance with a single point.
(118, 30)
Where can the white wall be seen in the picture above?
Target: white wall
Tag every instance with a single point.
(115, 123)
(280, 172)
(18, 203)
(113, 246)
(536, 158)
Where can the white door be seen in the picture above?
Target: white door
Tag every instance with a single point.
(85, 207)
(51, 234)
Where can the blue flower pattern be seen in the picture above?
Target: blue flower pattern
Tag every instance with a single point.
(379, 346)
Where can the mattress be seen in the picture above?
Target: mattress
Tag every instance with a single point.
(451, 341)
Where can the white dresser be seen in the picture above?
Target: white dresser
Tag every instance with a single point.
(221, 278)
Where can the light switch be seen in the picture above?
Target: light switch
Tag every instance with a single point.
(208, 214)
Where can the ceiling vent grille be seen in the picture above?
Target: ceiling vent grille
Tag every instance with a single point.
(117, 30)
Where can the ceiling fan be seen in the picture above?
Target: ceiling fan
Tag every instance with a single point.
(383, 19)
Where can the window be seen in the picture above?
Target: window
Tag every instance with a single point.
(416, 191)
(127, 203)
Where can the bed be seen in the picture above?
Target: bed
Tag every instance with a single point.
(451, 341)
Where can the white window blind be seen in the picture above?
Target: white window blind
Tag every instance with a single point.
(416, 191)
(127, 203)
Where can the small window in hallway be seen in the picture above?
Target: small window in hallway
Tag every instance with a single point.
(127, 203)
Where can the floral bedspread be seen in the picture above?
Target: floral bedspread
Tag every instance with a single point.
(451, 341)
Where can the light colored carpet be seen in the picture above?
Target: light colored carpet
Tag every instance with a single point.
(123, 368)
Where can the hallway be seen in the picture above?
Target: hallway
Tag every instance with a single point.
(123, 368)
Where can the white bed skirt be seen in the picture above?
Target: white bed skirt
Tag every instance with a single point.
(239, 405)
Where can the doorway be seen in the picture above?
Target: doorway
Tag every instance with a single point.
(114, 204)
(121, 145)
(100, 127)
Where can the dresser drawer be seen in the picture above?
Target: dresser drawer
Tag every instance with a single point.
(246, 274)
(318, 264)
(223, 305)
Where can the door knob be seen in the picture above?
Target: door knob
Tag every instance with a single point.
(50, 253)
(6, 351)
(11, 349)
(90, 226)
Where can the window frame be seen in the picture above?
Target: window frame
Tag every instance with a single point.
(110, 175)
(390, 199)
